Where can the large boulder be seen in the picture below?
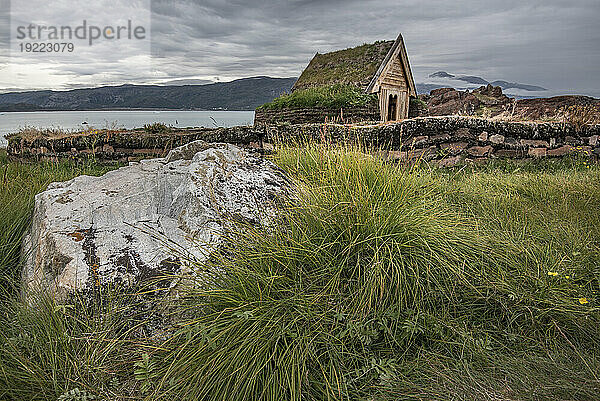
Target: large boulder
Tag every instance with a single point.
(448, 101)
(135, 223)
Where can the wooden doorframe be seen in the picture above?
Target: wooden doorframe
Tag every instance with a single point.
(392, 107)
(403, 104)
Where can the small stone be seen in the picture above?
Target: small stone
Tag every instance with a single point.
(483, 137)
(537, 152)
(570, 140)
(463, 133)
(425, 154)
(418, 140)
(593, 140)
(512, 143)
(563, 150)
(108, 149)
(497, 139)
(552, 142)
(511, 153)
(454, 148)
(440, 138)
(449, 161)
(534, 143)
(479, 151)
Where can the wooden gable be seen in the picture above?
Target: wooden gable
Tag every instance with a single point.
(394, 75)
(394, 71)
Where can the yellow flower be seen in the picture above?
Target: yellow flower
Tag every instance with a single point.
(553, 274)
(583, 301)
(567, 276)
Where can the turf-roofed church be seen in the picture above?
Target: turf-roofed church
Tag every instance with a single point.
(381, 67)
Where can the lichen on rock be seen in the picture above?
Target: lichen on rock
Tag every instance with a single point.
(135, 223)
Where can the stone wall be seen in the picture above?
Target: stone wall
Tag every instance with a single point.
(449, 140)
(316, 115)
(452, 140)
(123, 146)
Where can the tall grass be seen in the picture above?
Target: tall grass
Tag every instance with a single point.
(45, 349)
(383, 282)
(48, 350)
(378, 282)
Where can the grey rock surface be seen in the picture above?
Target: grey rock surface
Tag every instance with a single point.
(136, 222)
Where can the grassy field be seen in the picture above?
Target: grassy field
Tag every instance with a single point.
(380, 282)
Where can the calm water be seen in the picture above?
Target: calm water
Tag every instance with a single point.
(68, 120)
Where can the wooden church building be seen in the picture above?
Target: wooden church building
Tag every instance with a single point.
(381, 67)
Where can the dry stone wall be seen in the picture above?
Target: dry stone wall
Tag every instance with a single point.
(452, 140)
(124, 146)
(449, 140)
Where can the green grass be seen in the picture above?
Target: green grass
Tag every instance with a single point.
(333, 97)
(46, 349)
(354, 66)
(388, 283)
(380, 282)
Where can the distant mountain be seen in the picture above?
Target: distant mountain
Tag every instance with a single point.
(513, 85)
(473, 80)
(424, 89)
(180, 82)
(443, 75)
(241, 94)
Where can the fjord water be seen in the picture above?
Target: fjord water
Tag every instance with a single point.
(74, 120)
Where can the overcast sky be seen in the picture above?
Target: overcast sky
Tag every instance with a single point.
(551, 43)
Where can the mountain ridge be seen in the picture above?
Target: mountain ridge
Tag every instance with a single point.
(471, 79)
(240, 94)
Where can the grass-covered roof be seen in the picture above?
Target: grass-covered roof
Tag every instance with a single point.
(355, 66)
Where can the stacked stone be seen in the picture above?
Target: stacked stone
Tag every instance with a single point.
(451, 140)
(123, 146)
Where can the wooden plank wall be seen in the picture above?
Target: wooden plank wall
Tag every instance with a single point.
(403, 102)
(393, 82)
(394, 75)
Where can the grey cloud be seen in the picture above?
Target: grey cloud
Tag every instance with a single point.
(549, 43)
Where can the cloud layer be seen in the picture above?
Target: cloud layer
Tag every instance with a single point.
(551, 43)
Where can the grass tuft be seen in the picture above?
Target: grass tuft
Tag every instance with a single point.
(385, 282)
